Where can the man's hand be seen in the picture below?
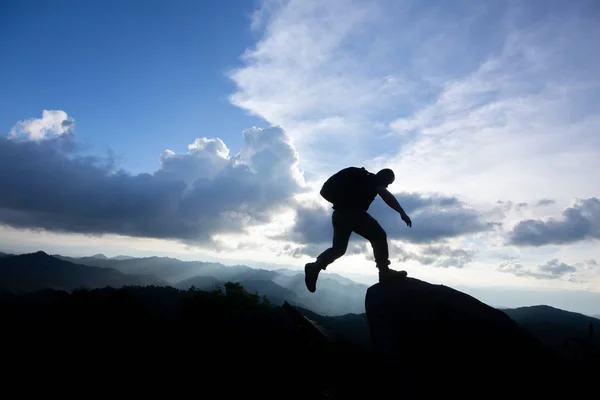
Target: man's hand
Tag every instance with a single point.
(406, 219)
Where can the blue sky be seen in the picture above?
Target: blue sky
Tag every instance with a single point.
(213, 125)
(148, 75)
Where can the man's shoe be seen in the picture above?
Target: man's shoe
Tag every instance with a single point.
(311, 273)
(386, 275)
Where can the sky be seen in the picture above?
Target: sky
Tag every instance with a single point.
(204, 130)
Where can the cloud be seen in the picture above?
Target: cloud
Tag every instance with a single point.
(305, 37)
(524, 107)
(326, 71)
(52, 123)
(435, 218)
(404, 85)
(544, 202)
(313, 250)
(438, 256)
(552, 269)
(191, 197)
(506, 206)
(205, 159)
(579, 222)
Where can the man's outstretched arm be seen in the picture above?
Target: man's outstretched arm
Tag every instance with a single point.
(391, 201)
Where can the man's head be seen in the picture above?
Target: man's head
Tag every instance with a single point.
(386, 176)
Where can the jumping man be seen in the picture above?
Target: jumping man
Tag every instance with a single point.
(351, 191)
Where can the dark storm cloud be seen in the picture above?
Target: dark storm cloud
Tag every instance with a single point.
(46, 185)
(579, 222)
(434, 218)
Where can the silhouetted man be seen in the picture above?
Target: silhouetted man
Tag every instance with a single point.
(351, 191)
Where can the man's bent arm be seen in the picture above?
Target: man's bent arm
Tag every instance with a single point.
(390, 200)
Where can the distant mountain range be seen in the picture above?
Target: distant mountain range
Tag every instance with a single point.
(103, 257)
(337, 306)
(336, 295)
(37, 271)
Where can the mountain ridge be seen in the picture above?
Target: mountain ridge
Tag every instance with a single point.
(337, 295)
(349, 294)
(39, 271)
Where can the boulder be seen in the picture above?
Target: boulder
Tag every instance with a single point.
(432, 339)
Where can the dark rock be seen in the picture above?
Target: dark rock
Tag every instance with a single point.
(432, 339)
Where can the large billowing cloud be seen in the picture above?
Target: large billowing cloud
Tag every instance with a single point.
(47, 185)
(579, 222)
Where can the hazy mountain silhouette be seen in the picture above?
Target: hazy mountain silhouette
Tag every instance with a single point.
(553, 326)
(336, 295)
(543, 313)
(275, 293)
(36, 271)
(333, 298)
(200, 282)
(100, 256)
(168, 269)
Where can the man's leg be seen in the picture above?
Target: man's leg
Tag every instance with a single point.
(342, 229)
(368, 227)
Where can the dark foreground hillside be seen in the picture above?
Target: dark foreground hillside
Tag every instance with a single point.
(160, 340)
(141, 340)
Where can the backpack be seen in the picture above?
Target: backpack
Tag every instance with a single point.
(341, 183)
